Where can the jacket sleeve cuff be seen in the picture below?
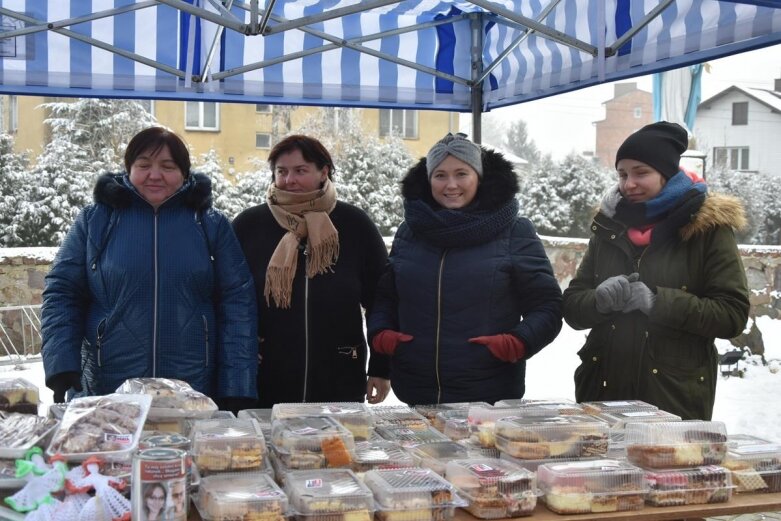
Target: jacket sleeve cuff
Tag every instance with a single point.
(379, 365)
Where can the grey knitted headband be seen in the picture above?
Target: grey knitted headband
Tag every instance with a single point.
(457, 146)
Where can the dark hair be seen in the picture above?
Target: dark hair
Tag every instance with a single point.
(150, 488)
(153, 139)
(311, 150)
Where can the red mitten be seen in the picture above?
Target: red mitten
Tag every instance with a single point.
(387, 340)
(506, 347)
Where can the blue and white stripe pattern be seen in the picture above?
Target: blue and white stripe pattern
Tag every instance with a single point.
(49, 63)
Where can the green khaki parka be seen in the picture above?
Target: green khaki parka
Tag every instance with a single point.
(667, 358)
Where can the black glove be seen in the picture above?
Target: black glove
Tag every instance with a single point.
(60, 383)
(236, 404)
(612, 294)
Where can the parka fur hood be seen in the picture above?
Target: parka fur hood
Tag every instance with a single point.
(110, 190)
(716, 210)
(498, 185)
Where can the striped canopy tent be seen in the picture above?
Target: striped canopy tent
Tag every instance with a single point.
(466, 56)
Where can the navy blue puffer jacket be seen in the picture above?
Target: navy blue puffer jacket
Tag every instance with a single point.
(136, 292)
(444, 296)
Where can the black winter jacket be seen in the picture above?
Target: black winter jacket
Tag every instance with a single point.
(315, 351)
(444, 296)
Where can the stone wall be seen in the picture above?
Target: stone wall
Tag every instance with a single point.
(22, 272)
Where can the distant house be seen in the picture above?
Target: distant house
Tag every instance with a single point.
(628, 110)
(520, 165)
(740, 128)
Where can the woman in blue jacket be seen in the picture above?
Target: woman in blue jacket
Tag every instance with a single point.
(469, 293)
(151, 282)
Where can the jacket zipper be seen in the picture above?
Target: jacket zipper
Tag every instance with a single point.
(154, 308)
(306, 321)
(439, 324)
(99, 340)
(206, 335)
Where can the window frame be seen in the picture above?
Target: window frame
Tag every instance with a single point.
(405, 113)
(200, 127)
(257, 135)
(739, 117)
(269, 111)
(739, 156)
(638, 112)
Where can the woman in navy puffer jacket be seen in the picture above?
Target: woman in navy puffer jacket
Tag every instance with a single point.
(468, 294)
(151, 282)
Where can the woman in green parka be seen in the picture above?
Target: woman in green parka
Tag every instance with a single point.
(662, 277)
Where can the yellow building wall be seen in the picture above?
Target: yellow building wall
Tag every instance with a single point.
(234, 139)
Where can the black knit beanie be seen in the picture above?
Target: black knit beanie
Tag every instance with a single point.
(658, 145)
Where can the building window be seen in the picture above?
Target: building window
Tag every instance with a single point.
(638, 112)
(740, 113)
(201, 115)
(734, 158)
(13, 114)
(263, 109)
(262, 140)
(403, 123)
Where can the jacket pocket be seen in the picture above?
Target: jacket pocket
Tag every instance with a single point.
(589, 374)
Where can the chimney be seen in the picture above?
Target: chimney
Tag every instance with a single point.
(623, 88)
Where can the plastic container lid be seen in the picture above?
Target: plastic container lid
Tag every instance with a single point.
(691, 486)
(435, 455)
(330, 491)
(541, 437)
(430, 411)
(398, 415)
(408, 437)
(227, 445)
(665, 445)
(171, 398)
(613, 406)
(755, 467)
(454, 424)
(107, 426)
(262, 416)
(353, 415)
(738, 440)
(241, 496)
(380, 454)
(603, 485)
(20, 432)
(19, 395)
(533, 464)
(411, 489)
(552, 404)
(478, 451)
(312, 435)
(619, 419)
(482, 421)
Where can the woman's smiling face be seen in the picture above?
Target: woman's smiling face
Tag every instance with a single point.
(637, 181)
(454, 183)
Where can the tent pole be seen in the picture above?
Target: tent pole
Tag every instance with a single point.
(477, 71)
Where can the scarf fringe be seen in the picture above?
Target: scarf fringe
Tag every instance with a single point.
(323, 256)
(279, 285)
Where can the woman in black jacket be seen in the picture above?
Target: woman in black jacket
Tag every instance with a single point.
(469, 293)
(315, 261)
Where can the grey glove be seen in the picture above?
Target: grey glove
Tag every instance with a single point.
(612, 294)
(641, 298)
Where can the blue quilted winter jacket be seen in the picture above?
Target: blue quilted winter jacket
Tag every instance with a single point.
(136, 292)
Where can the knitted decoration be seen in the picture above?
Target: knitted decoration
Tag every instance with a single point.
(42, 481)
(107, 503)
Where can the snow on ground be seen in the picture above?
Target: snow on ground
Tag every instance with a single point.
(749, 405)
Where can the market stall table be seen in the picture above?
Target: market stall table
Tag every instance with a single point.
(739, 504)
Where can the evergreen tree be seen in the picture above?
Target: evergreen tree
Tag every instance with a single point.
(518, 142)
(13, 185)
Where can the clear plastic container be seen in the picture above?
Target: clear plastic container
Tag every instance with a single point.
(380, 454)
(171, 398)
(619, 419)
(408, 437)
(189, 423)
(107, 426)
(19, 395)
(412, 494)
(431, 411)
(435, 455)
(399, 415)
(614, 406)
(579, 487)
(313, 442)
(494, 488)
(353, 415)
(262, 416)
(227, 446)
(478, 451)
(541, 437)
(157, 439)
(453, 424)
(667, 445)
(20, 432)
(543, 407)
(321, 495)
(533, 464)
(691, 486)
(250, 496)
(755, 467)
(482, 422)
(738, 440)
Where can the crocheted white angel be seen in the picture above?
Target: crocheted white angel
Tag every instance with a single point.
(42, 481)
(107, 503)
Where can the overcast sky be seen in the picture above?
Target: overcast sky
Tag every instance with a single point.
(564, 123)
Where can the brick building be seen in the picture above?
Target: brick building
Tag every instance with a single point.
(629, 109)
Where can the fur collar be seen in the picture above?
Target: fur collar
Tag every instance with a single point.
(498, 186)
(717, 210)
(112, 191)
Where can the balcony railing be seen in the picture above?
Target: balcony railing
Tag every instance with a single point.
(20, 334)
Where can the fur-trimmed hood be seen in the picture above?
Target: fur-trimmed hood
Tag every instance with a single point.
(114, 190)
(498, 185)
(716, 210)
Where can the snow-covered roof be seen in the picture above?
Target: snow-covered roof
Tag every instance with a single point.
(509, 156)
(771, 99)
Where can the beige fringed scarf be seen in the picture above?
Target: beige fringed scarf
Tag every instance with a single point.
(304, 216)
